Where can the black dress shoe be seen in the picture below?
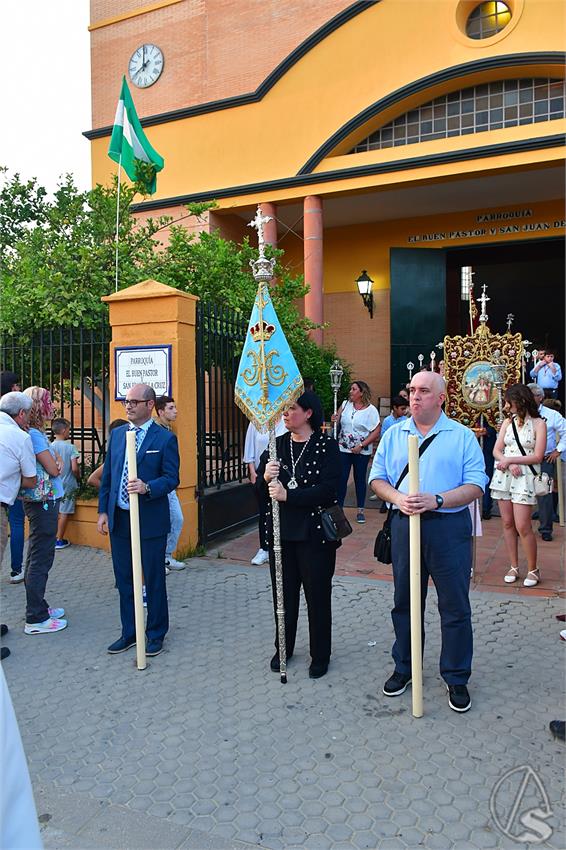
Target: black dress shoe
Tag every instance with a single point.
(274, 663)
(3, 629)
(153, 647)
(4, 653)
(318, 670)
(486, 515)
(546, 536)
(121, 645)
(558, 729)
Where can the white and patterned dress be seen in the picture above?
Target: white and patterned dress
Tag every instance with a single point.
(504, 485)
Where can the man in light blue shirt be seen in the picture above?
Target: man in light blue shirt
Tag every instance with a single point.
(451, 475)
(546, 373)
(555, 445)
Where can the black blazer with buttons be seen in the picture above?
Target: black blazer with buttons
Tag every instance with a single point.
(318, 476)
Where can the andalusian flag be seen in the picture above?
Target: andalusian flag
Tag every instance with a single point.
(129, 146)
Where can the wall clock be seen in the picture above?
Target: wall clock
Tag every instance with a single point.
(145, 66)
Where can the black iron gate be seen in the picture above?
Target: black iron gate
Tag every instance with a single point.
(226, 500)
(72, 363)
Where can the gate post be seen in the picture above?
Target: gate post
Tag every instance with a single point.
(151, 313)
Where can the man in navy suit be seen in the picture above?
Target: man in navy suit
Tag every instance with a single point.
(157, 455)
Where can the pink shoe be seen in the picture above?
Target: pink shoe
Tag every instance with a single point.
(46, 627)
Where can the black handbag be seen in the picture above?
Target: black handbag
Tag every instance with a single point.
(334, 524)
(382, 545)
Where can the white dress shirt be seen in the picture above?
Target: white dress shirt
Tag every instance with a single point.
(17, 458)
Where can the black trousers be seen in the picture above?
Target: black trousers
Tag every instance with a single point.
(312, 566)
(42, 518)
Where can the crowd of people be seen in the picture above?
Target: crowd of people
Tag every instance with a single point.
(39, 480)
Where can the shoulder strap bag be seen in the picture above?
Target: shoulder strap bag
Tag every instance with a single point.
(382, 546)
(543, 482)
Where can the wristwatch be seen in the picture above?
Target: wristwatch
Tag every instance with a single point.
(439, 501)
(148, 489)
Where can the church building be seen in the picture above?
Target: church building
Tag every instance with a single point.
(394, 142)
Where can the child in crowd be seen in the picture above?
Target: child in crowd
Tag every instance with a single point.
(70, 475)
(95, 477)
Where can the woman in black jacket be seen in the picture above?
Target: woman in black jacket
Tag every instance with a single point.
(308, 473)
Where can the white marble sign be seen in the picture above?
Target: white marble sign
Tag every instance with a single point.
(148, 364)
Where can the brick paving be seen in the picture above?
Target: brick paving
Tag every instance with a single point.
(355, 557)
(206, 749)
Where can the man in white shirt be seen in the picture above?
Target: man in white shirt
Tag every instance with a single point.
(17, 458)
(17, 462)
(555, 445)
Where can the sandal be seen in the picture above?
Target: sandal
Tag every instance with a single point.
(534, 578)
(512, 575)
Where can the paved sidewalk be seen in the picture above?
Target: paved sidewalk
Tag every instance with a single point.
(355, 557)
(206, 749)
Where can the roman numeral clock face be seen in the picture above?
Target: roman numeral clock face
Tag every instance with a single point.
(145, 66)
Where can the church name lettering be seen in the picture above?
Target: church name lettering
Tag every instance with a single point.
(503, 216)
(478, 232)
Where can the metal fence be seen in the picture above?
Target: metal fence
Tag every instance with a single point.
(72, 363)
(221, 426)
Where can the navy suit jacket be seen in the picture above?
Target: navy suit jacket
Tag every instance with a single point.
(158, 466)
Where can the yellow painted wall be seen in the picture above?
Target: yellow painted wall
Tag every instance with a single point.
(384, 48)
(347, 250)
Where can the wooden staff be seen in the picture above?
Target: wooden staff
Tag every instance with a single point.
(560, 485)
(136, 552)
(415, 582)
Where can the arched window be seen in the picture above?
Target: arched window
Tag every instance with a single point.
(490, 106)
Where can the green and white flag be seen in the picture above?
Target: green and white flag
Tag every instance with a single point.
(129, 144)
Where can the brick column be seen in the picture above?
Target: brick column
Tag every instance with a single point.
(151, 313)
(313, 263)
(270, 229)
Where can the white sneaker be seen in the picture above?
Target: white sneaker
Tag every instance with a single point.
(261, 557)
(16, 578)
(48, 626)
(167, 571)
(373, 497)
(173, 564)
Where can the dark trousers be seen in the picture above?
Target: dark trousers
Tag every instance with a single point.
(488, 446)
(153, 565)
(546, 503)
(42, 517)
(312, 566)
(17, 518)
(360, 464)
(446, 556)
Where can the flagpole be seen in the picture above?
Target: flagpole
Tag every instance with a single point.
(118, 217)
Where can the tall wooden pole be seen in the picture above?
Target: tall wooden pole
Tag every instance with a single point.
(560, 486)
(136, 552)
(415, 583)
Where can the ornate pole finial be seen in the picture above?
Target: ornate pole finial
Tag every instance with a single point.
(410, 369)
(510, 320)
(420, 358)
(262, 268)
(483, 299)
(432, 360)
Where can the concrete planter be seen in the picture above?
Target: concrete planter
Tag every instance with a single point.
(81, 528)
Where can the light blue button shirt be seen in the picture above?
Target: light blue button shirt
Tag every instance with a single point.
(390, 420)
(555, 429)
(144, 429)
(546, 378)
(452, 459)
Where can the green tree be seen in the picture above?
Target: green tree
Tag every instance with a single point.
(57, 259)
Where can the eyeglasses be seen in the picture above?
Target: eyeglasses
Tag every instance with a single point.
(133, 402)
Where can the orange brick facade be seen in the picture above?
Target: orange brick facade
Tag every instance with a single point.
(212, 50)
